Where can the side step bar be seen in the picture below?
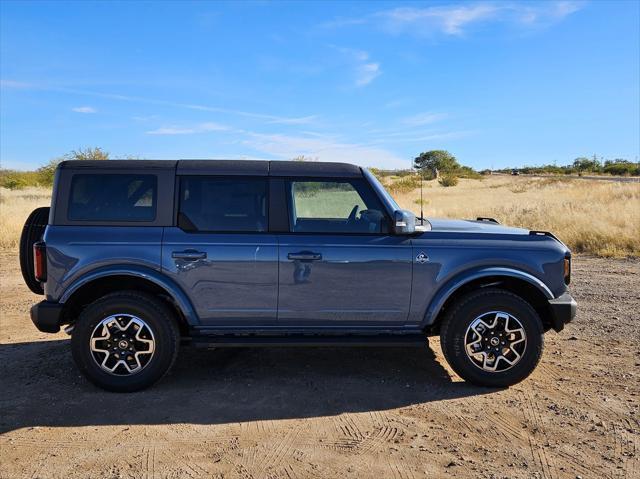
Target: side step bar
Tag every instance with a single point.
(231, 341)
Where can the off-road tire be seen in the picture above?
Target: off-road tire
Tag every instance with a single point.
(471, 306)
(160, 319)
(32, 232)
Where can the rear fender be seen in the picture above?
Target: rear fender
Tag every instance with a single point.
(172, 289)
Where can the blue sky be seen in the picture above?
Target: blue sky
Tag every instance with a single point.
(496, 83)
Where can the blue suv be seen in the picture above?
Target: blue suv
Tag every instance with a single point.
(137, 257)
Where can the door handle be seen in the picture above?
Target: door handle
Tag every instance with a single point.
(189, 255)
(305, 256)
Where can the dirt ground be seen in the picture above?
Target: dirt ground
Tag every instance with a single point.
(332, 412)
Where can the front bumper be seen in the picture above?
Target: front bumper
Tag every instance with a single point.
(563, 310)
(46, 315)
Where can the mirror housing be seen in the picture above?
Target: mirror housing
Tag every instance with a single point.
(404, 222)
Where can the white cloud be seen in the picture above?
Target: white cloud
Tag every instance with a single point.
(366, 73)
(14, 84)
(425, 118)
(364, 70)
(84, 109)
(454, 19)
(177, 130)
(325, 149)
(449, 19)
(303, 120)
(267, 118)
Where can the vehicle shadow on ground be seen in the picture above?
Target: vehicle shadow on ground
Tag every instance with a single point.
(42, 387)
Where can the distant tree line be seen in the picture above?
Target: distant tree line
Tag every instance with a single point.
(582, 166)
(433, 164)
(43, 176)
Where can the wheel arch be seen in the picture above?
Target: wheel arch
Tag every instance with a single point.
(523, 284)
(96, 284)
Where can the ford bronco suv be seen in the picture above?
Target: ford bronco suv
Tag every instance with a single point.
(137, 257)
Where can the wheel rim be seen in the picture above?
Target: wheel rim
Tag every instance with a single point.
(122, 344)
(495, 341)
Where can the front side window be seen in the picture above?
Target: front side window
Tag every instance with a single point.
(334, 206)
(112, 197)
(217, 204)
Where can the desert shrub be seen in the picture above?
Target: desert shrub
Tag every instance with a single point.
(404, 184)
(621, 168)
(467, 172)
(14, 182)
(448, 180)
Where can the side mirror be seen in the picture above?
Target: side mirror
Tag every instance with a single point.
(404, 222)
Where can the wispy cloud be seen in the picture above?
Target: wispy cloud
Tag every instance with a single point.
(364, 70)
(84, 109)
(425, 118)
(325, 149)
(267, 118)
(303, 120)
(177, 130)
(14, 84)
(449, 19)
(456, 18)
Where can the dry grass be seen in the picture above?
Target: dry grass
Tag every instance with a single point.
(599, 217)
(15, 206)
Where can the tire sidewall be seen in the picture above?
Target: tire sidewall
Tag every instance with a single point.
(158, 319)
(453, 338)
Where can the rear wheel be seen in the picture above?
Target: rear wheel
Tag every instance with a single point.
(125, 341)
(32, 232)
(492, 337)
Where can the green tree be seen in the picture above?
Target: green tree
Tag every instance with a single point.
(587, 164)
(47, 172)
(436, 162)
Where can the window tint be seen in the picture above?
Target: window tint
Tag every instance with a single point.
(101, 197)
(223, 204)
(335, 206)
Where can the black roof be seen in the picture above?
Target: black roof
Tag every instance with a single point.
(228, 167)
(118, 164)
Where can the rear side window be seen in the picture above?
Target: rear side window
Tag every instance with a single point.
(113, 197)
(229, 204)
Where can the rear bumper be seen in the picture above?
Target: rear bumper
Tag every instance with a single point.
(46, 316)
(563, 310)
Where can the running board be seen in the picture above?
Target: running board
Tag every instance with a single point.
(231, 341)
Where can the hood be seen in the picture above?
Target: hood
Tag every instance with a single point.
(473, 226)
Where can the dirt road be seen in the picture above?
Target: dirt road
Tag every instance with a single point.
(298, 413)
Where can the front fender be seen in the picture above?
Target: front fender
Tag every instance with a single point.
(455, 283)
(172, 289)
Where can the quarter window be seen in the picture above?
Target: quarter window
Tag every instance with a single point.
(335, 206)
(113, 197)
(223, 204)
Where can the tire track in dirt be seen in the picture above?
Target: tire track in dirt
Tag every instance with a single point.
(538, 451)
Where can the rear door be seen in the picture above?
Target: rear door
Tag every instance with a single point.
(221, 253)
(339, 266)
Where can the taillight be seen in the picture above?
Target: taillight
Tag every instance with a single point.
(40, 261)
(567, 270)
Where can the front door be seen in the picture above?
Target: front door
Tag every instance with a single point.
(221, 253)
(339, 266)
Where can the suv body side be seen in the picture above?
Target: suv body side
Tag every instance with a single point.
(256, 280)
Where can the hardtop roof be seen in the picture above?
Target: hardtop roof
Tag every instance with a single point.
(225, 167)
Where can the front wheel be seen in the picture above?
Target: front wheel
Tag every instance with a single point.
(492, 337)
(125, 341)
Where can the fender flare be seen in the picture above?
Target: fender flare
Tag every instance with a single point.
(465, 277)
(173, 290)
